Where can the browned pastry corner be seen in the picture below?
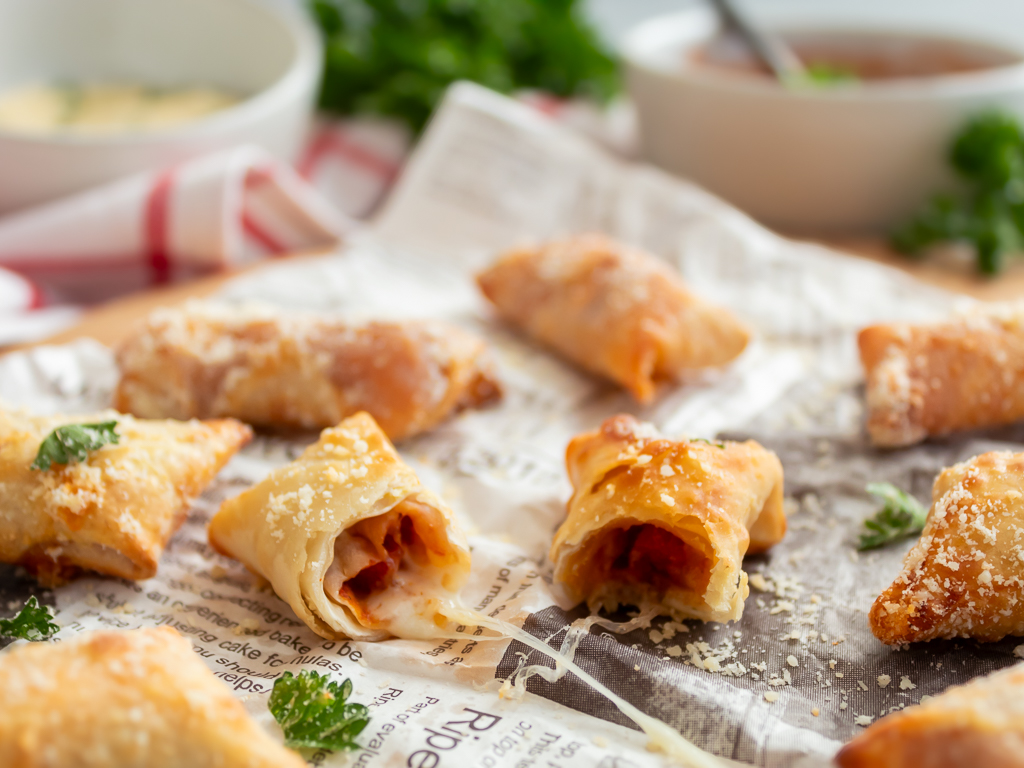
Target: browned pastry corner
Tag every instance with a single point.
(963, 373)
(965, 576)
(978, 724)
(301, 371)
(613, 310)
(125, 699)
(666, 523)
(114, 512)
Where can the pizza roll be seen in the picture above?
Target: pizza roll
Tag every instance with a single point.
(123, 700)
(963, 373)
(300, 371)
(963, 578)
(350, 539)
(665, 522)
(113, 512)
(613, 310)
(977, 724)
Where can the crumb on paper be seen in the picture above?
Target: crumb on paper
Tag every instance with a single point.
(792, 661)
(674, 651)
(771, 696)
(218, 572)
(832, 663)
(883, 681)
(863, 720)
(1019, 651)
(905, 684)
(601, 742)
(842, 705)
(758, 582)
(636, 667)
(839, 675)
(926, 698)
(815, 711)
(862, 685)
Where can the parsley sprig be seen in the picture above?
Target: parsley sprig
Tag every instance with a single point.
(900, 516)
(313, 711)
(33, 622)
(988, 213)
(396, 58)
(73, 442)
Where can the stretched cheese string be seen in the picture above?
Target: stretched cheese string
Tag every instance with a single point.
(662, 737)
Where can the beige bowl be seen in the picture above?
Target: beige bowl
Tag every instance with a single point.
(812, 161)
(269, 53)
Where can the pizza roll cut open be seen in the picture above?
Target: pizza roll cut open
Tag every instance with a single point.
(666, 523)
(113, 512)
(350, 539)
(965, 575)
(125, 699)
(613, 310)
(963, 373)
(301, 371)
(977, 724)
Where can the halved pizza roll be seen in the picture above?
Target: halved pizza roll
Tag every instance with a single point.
(658, 522)
(963, 578)
(350, 539)
(114, 511)
(123, 700)
(300, 371)
(964, 373)
(613, 310)
(980, 723)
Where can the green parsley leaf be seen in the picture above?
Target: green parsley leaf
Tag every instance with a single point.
(709, 442)
(313, 712)
(900, 516)
(73, 442)
(397, 57)
(824, 75)
(988, 212)
(33, 622)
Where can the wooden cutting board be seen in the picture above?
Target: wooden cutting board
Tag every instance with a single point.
(111, 322)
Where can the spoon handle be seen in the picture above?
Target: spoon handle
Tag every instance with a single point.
(768, 47)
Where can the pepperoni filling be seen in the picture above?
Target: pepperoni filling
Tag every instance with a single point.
(370, 554)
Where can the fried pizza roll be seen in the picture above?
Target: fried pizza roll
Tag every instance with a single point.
(300, 371)
(114, 511)
(658, 522)
(980, 723)
(963, 373)
(123, 700)
(613, 310)
(963, 578)
(350, 539)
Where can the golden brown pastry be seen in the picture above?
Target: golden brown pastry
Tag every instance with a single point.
(965, 576)
(614, 310)
(963, 373)
(977, 724)
(665, 522)
(300, 371)
(350, 539)
(113, 512)
(125, 699)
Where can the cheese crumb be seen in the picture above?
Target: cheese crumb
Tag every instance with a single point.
(666, 499)
(815, 712)
(791, 660)
(771, 696)
(757, 581)
(883, 681)
(905, 684)
(863, 720)
(1019, 651)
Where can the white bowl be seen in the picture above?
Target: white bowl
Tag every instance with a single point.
(270, 53)
(807, 161)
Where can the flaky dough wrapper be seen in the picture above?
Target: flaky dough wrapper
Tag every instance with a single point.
(963, 373)
(665, 522)
(965, 575)
(977, 724)
(300, 371)
(125, 699)
(114, 512)
(349, 538)
(613, 310)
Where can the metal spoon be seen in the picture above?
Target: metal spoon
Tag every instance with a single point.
(769, 48)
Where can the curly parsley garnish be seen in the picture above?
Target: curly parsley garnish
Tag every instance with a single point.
(902, 515)
(988, 213)
(33, 622)
(73, 442)
(313, 712)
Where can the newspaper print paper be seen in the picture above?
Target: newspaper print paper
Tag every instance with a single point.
(488, 174)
